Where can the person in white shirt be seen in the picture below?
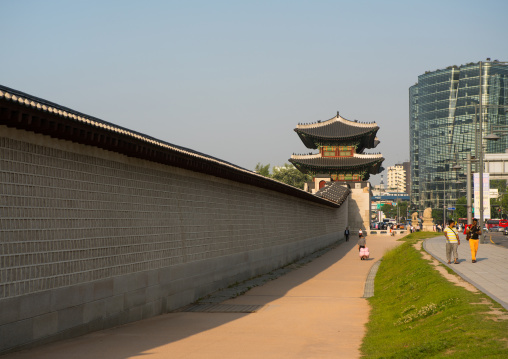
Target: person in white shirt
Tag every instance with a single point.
(452, 242)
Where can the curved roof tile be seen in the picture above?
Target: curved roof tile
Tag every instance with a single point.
(334, 191)
(338, 129)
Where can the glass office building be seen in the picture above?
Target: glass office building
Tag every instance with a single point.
(443, 106)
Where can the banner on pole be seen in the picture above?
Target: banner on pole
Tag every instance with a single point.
(486, 195)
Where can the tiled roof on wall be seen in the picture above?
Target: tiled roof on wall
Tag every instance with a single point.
(26, 112)
(334, 191)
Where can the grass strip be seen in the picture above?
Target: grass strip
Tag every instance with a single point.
(417, 313)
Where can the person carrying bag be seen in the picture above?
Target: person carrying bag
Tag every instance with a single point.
(452, 242)
(474, 234)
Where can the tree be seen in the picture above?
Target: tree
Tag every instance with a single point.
(290, 175)
(263, 170)
(403, 205)
(437, 215)
(389, 210)
(461, 207)
(499, 206)
(499, 184)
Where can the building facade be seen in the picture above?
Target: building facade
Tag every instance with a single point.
(396, 178)
(443, 118)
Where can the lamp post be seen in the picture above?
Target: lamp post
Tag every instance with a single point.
(456, 167)
(479, 148)
(480, 106)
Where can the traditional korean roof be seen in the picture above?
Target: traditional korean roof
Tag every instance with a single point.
(319, 164)
(26, 112)
(336, 192)
(338, 131)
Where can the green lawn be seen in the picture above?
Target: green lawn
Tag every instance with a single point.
(417, 313)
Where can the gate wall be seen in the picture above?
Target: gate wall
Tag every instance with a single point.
(92, 239)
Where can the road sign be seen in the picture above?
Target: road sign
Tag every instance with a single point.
(451, 208)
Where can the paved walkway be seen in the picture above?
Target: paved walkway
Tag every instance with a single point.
(316, 311)
(490, 272)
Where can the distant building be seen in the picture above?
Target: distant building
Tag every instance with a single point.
(442, 109)
(496, 164)
(396, 178)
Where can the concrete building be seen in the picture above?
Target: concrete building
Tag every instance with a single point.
(496, 164)
(396, 178)
(443, 112)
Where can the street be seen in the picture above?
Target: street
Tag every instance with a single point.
(498, 238)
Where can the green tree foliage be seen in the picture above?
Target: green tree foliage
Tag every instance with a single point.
(437, 215)
(403, 205)
(499, 206)
(263, 170)
(389, 210)
(290, 175)
(461, 208)
(499, 184)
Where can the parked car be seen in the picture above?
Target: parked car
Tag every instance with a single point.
(494, 229)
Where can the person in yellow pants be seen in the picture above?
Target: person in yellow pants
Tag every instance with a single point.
(475, 239)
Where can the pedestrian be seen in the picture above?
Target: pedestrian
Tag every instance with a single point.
(475, 232)
(346, 234)
(360, 233)
(362, 242)
(452, 242)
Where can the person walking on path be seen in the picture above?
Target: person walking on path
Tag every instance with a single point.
(452, 242)
(360, 233)
(475, 239)
(346, 234)
(362, 242)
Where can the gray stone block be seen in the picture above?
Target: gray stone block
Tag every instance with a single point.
(103, 289)
(149, 310)
(135, 298)
(15, 334)
(153, 293)
(94, 310)
(71, 296)
(9, 310)
(129, 283)
(45, 325)
(35, 304)
(70, 317)
(135, 314)
(114, 305)
(165, 275)
(152, 278)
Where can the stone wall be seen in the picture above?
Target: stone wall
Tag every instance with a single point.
(92, 239)
(359, 206)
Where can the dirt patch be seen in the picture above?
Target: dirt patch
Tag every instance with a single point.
(494, 314)
(455, 279)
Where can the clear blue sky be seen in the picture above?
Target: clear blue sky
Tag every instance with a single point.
(233, 78)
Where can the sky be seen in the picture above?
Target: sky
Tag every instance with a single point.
(232, 79)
